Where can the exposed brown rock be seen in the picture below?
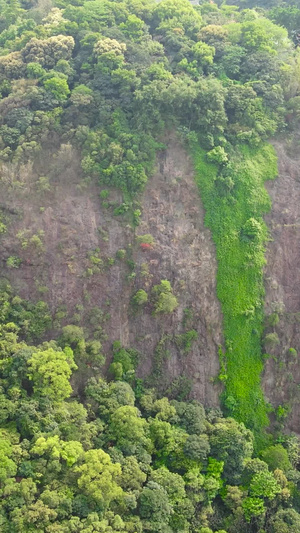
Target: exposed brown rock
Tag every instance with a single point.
(75, 223)
(282, 279)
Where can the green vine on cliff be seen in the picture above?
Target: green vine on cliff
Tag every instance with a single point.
(235, 200)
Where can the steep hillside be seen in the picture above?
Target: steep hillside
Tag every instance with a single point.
(68, 245)
(184, 254)
(282, 280)
(149, 302)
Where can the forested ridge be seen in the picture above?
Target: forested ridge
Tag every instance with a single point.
(85, 444)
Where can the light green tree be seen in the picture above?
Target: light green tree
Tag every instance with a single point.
(99, 478)
(127, 426)
(165, 301)
(8, 468)
(50, 372)
(54, 448)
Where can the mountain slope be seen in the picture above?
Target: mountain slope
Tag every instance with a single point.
(74, 224)
(282, 280)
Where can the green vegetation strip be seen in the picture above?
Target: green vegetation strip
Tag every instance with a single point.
(240, 271)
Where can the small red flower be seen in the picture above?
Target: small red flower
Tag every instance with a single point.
(146, 246)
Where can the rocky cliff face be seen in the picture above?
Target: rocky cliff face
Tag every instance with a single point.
(184, 254)
(282, 280)
(68, 240)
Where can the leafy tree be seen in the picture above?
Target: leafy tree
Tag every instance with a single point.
(252, 467)
(133, 28)
(133, 477)
(277, 457)
(197, 447)
(285, 521)
(54, 448)
(36, 516)
(172, 483)
(108, 397)
(49, 51)
(12, 66)
(50, 371)
(191, 416)
(203, 53)
(175, 487)
(126, 426)
(125, 357)
(81, 96)
(98, 478)
(265, 485)
(154, 507)
(20, 119)
(253, 507)
(261, 34)
(72, 335)
(232, 443)
(8, 468)
(163, 409)
(58, 87)
(19, 493)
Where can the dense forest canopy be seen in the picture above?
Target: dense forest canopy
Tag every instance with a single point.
(110, 77)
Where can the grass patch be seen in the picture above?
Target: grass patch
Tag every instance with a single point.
(240, 259)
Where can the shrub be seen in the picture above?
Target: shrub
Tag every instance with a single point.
(145, 239)
(43, 184)
(136, 217)
(104, 194)
(140, 297)
(72, 335)
(2, 227)
(272, 320)
(272, 339)
(217, 155)
(293, 352)
(164, 300)
(121, 254)
(94, 353)
(185, 340)
(124, 362)
(116, 370)
(35, 240)
(252, 229)
(13, 262)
